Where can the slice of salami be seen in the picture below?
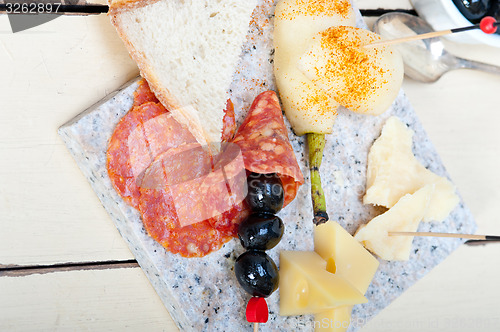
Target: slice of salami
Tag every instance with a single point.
(143, 94)
(231, 164)
(160, 221)
(172, 202)
(229, 122)
(263, 140)
(182, 171)
(128, 151)
(144, 132)
(199, 191)
(122, 160)
(192, 202)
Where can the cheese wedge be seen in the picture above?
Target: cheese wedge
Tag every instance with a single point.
(334, 320)
(402, 217)
(345, 256)
(348, 258)
(393, 171)
(307, 288)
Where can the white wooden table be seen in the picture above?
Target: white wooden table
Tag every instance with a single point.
(63, 265)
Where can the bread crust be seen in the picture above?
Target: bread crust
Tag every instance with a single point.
(180, 112)
(118, 6)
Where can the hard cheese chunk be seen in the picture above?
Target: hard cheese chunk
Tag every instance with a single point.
(363, 79)
(345, 256)
(334, 320)
(348, 258)
(307, 107)
(393, 171)
(402, 217)
(307, 288)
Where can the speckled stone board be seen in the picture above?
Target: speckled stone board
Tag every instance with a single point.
(202, 294)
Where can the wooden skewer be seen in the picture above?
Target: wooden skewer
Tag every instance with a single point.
(426, 35)
(453, 235)
(410, 38)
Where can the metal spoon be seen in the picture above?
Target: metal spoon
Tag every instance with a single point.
(425, 60)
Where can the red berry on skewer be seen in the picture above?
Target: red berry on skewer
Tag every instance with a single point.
(257, 311)
(488, 25)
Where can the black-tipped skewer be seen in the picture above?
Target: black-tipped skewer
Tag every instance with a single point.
(52, 8)
(473, 238)
(488, 25)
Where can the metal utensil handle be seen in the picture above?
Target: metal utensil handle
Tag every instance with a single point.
(470, 64)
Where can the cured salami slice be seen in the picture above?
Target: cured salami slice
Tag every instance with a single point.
(144, 132)
(128, 152)
(161, 222)
(170, 197)
(263, 140)
(229, 122)
(182, 171)
(198, 190)
(190, 201)
(143, 94)
(230, 162)
(147, 133)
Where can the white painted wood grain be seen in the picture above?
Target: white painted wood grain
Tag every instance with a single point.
(450, 299)
(105, 300)
(48, 212)
(459, 295)
(460, 114)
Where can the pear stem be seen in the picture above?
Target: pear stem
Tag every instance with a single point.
(316, 143)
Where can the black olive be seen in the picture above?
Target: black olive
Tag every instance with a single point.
(260, 231)
(265, 192)
(495, 12)
(473, 10)
(257, 273)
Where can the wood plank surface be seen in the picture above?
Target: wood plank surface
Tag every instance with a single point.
(449, 299)
(95, 300)
(48, 212)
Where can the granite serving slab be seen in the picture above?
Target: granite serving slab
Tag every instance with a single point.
(202, 294)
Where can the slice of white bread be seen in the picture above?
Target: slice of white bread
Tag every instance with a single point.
(187, 50)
